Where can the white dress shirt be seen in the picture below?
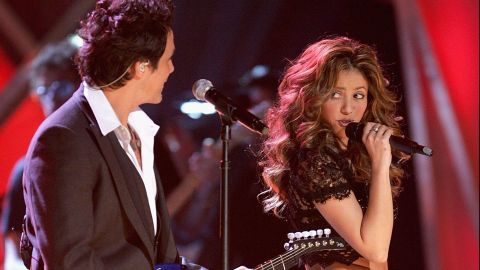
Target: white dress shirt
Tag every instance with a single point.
(143, 126)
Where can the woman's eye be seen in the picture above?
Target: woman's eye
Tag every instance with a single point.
(359, 95)
(335, 94)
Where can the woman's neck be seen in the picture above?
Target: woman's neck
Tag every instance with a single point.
(342, 144)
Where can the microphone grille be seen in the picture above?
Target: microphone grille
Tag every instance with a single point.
(201, 87)
(354, 131)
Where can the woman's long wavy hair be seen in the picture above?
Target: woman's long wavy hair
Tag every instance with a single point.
(295, 121)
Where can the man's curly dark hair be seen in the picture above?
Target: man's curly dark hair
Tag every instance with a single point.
(118, 33)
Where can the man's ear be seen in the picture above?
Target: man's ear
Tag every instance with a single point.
(140, 67)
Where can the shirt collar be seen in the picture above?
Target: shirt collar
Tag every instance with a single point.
(140, 121)
(108, 120)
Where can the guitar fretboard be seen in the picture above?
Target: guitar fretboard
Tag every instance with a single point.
(285, 261)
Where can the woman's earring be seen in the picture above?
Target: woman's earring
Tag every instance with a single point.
(142, 67)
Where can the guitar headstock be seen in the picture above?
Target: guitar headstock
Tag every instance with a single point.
(303, 243)
(314, 240)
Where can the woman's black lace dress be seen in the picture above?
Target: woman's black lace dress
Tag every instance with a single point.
(318, 177)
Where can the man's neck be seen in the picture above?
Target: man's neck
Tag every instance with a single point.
(123, 102)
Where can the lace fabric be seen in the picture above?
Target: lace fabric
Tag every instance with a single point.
(321, 176)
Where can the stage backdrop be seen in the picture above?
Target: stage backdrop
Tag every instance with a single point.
(18, 129)
(439, 44)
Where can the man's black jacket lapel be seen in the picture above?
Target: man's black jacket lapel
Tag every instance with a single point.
(105, 145)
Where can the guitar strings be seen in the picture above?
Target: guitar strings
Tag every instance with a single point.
(288, 255)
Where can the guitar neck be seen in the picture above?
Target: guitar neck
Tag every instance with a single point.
(300, 247)
(284, 261)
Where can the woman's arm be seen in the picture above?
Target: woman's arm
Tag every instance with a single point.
(368, 234)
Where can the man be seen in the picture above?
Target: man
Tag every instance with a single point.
(93, 197)
(53, 79)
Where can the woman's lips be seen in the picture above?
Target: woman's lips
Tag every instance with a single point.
(344, 123)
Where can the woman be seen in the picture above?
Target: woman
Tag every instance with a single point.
(319, 178)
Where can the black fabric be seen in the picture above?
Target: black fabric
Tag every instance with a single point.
(80, 208)
(165, 247)
(321, 175)
(135, 184)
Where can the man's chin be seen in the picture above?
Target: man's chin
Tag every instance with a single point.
(156, 100)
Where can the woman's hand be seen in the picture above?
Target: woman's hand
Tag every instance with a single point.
(376, 138)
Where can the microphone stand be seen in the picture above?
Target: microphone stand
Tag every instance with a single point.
(224, 190)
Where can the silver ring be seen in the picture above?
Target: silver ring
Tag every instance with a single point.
(375, 129)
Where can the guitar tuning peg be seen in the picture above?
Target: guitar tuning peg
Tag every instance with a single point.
(312, 233)
(286, 246)
(290, 236)
(320, 232)
(298, 235)
(327, 232)
(305, 234)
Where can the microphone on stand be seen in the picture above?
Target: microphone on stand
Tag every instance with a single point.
(354, 131)
(203, 90)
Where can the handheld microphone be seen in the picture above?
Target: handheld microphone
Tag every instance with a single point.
(203, 90)
(354, 131)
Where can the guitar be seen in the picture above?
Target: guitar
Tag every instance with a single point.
(300, 243)
(303, 243)
(170, 266)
